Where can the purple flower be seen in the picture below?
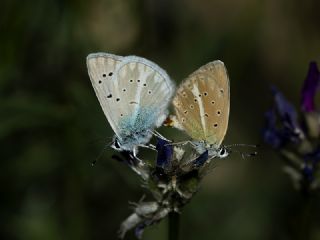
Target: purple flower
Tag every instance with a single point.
(271, 134)
(199, 161)
(311, 163)
(297, 142)
(313, 157)
(138, 232)
(286, 111)
(281, 125)
(308, 173)
(165, 153)
(310, 87)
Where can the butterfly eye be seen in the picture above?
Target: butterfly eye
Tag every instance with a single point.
(212, 102)
(104, 75)
(123, 90)
(215, 125)
(110, 74)
(144, 84)
(205, 94)
(218, 112)
(131, 80)
(116, 144)
(223, 153)
(99, 81)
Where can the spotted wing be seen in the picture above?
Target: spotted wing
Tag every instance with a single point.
(101, 69)
(141, 97)
(202, 103)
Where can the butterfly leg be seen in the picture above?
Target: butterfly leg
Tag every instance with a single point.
(140, 164)
(157, 134)
(149, 146)
(181, 143)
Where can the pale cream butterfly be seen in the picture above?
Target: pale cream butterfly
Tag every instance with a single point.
(134, 94)
(202, 105)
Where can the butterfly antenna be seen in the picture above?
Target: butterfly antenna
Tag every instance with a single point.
(244, 155)
(242, 145)
(182, 143)
(99, 140)
(93, 163)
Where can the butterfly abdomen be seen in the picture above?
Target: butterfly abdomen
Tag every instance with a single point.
(135, 128)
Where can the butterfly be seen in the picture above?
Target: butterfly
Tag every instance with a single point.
(202, 105)
(134, 94)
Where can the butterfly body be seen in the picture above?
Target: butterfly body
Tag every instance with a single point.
(134, 94)
(213, 149)
(135, 129)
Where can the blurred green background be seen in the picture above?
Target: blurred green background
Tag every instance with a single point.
(52, 126)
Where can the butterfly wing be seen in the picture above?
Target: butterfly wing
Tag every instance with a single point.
(101, 69)
(143, 93)
(202, 103)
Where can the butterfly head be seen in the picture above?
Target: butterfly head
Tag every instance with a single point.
(130, 142)
(223, 152)
(217, 151)
(116, 144)
(214, 150)
(126, 145)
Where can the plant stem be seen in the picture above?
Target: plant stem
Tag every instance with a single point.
(304, 219)
(173, 223)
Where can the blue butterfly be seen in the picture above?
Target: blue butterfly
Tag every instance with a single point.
(134, 94)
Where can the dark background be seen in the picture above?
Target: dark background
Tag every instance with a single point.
(52, 127)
